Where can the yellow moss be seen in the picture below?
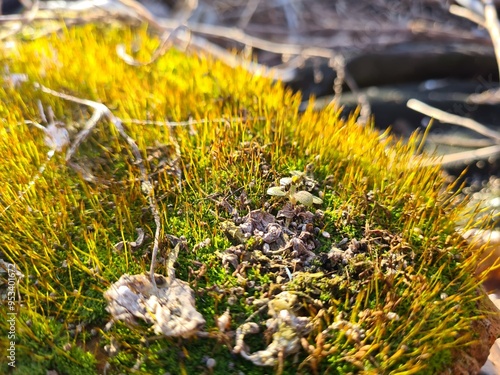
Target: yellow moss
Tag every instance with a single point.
(246, 133)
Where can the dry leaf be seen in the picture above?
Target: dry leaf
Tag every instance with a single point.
(169, 307)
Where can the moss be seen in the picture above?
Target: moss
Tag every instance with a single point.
(403, 302)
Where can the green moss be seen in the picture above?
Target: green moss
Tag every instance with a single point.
(247, 133)
(76, 361)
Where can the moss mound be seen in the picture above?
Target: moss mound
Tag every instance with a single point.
(331, 240)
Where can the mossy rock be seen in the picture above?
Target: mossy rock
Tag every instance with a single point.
(375, 279)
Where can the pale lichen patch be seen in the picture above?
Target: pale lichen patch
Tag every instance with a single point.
(169, 306)
(288, 330)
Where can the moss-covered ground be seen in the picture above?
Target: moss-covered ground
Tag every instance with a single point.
(388, 287)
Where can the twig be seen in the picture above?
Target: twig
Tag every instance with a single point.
(167, 40)
(291, 11)
(56, 139)
(443, 116)
(478, 154)
(193, 122)
(474, 6)
(338, 64)
(240, 36)
(493, 27)
(467, 14)
(484, 14)
(452, 140)
(248, 13)
(141, 12)
(100, 111)
(466, 156)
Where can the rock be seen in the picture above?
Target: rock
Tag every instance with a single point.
(471, 359)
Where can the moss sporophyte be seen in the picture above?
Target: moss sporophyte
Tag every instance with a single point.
(149, 234)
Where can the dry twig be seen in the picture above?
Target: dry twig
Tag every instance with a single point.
(484, 14)
(443, 116)
(100, 112)
(467, 156)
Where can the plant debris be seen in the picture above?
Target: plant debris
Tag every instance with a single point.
(283, 242)
(133, 244)
(287, 329)
(169, 305)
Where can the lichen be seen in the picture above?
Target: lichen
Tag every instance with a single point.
(373, 261)
(167, 303)
(287, 331)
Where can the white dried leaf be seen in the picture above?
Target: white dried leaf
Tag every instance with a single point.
(146, 187)
(113, 348)
(15, 79)
(140, 238)
(392, 316)
(119, 246)
(224, 321)
(134, 244)
(169, 307)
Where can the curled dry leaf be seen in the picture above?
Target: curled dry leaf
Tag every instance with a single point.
(224, 321)
(140, 238)
(134, 244)
(256, 220)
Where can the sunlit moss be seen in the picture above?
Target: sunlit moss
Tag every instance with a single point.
(246, 134)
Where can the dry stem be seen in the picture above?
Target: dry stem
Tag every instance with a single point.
(100, 111)
(443, 116)
(478, 154)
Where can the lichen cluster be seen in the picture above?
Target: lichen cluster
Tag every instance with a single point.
(354, 265)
